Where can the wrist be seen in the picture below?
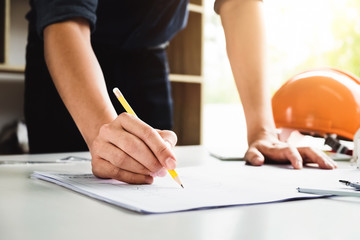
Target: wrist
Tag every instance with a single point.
(262, 133)
(90, 129)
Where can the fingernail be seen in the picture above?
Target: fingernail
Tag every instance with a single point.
(170, 163)
(162, 172)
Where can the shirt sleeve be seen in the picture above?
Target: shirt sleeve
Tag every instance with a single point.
(53, 11)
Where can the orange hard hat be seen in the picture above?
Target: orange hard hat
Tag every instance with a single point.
(319, 102)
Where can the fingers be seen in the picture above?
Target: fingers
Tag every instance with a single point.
(278, 152)
(151, 138)
(129, 150)
(292, 154)
(104, 169)
(118, 158)
(255, 155)
(132, 146)
(317, 156)
(282, 152)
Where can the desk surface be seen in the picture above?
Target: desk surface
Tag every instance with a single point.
(34, 209)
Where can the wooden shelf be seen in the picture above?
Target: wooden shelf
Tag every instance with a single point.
(13, 34)
(197, 2)
(185, 78)
(196, 8)
(3, 30)
(11, 69)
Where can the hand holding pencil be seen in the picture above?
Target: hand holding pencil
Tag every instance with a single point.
(129, 150)
(128, 109)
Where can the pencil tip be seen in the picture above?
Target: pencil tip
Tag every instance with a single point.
(181, 185)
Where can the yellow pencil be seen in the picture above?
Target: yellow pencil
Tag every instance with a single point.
(128, 109)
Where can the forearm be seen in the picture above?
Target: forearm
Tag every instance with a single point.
(77, 76)
(243, 27)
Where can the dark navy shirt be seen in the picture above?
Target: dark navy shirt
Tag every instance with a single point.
(125, 34)
(122, 23)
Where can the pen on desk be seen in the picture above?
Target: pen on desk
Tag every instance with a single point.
(329, 192)
(129, 110)
(355, 185)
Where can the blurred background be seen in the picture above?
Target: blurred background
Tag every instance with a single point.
(300, 35)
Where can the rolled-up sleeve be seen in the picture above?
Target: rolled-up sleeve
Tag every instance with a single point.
(53, 11)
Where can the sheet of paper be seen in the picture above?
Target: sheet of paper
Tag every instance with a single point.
(218, 185)
(44, 158)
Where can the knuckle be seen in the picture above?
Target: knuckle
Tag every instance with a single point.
(119, 159)
(154, 165)
(124, 116)
(116, 173)
(149, 132)
(144, 170)
(104, 129)
(132, 146)
(290, 155)
(161, 149)
(288, 151)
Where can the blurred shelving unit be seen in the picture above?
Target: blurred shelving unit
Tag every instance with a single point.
(13, 34)
(185, 54)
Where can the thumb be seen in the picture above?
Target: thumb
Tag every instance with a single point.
(254, 157)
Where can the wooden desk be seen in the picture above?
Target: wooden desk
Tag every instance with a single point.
(34, 209)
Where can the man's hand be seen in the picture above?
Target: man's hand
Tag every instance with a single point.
(122, 147)
(131, 151)
(267, 146)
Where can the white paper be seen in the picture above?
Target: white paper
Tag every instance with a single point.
(219, 185)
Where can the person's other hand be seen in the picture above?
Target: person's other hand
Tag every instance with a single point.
(268, 146)
(131, 151)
